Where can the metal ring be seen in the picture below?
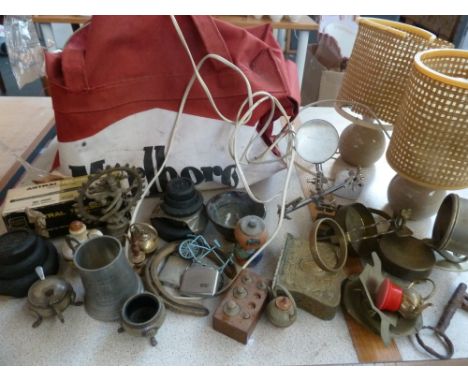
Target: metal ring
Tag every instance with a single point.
(314, 247)
(448, 345)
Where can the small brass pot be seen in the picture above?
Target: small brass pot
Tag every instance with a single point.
(142, 315)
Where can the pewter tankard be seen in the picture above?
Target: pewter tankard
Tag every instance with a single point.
(107, 276)
(450, 232)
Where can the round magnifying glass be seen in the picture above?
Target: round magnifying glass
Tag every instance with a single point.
(316, 141)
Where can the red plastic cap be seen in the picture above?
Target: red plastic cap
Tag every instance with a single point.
(389, 296)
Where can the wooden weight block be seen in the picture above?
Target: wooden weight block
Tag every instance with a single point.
(241, 307)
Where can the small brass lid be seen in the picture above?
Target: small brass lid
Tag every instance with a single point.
(252, 225)
(283, 303)
(50, 291)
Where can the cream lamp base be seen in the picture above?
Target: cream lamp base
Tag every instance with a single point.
(423, 202)
(361, 146)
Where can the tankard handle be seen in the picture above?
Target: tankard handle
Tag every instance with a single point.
(453, 257)
(72, 242)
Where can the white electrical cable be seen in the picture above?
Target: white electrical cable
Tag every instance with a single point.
(243, 117)
(258, 135)
(175, 126)
(237, 161)
(240, 122)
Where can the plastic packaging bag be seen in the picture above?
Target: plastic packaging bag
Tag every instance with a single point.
(24, 49)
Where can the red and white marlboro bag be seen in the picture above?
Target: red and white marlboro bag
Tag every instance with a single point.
(117, 85)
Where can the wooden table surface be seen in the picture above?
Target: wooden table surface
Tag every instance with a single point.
(304, 23)
(25, 122)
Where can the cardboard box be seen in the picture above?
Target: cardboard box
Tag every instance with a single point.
(319, 83)
(47, 208)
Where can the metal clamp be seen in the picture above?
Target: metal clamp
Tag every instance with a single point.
(451, 256)
(350, 182)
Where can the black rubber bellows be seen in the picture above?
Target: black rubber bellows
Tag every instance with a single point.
(20, 253)
(180, 200)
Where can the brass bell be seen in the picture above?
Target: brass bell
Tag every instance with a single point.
(144, 236)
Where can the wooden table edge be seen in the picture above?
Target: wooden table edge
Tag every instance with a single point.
(305, 23)
(35, 145)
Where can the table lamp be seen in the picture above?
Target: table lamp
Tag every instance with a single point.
(429, 145)
(376, 77)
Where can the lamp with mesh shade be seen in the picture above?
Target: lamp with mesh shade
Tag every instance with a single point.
(376, 77)
(429, 145)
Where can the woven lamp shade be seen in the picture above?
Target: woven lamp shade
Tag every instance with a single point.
(429, 144)
(379, 66)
